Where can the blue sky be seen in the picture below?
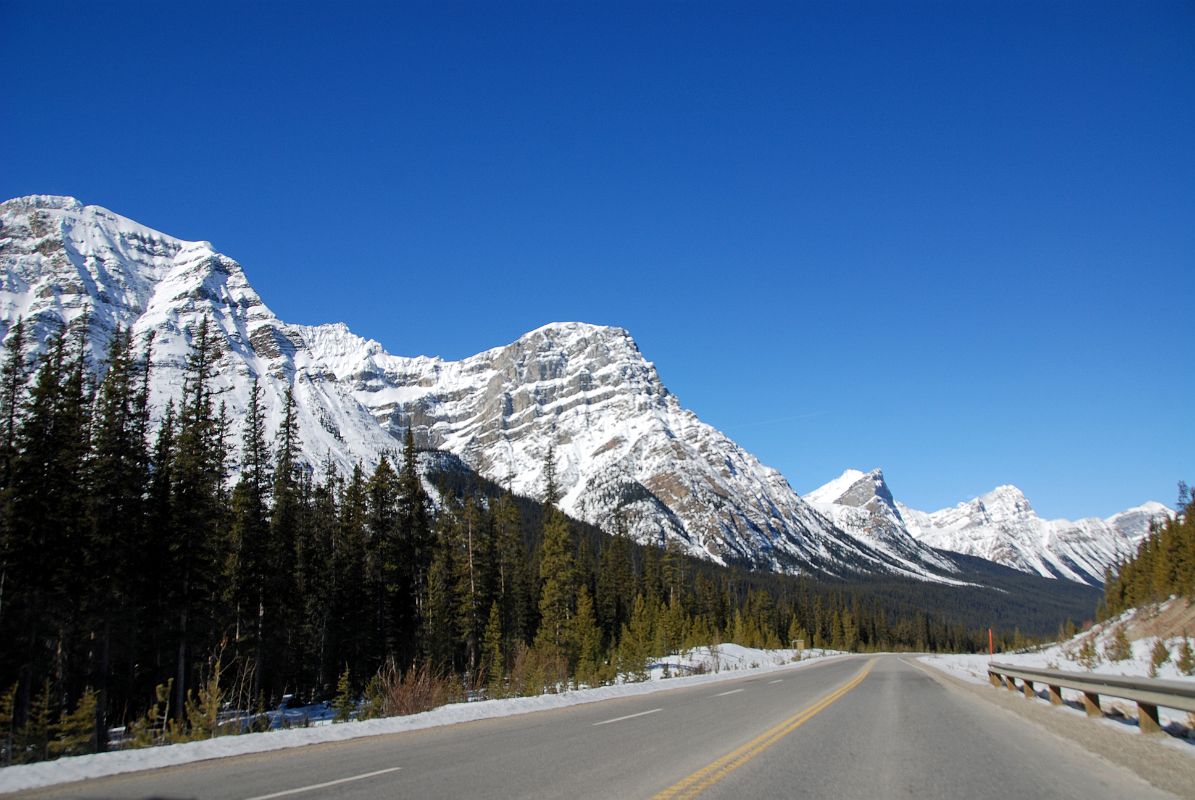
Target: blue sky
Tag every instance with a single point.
(953, 240)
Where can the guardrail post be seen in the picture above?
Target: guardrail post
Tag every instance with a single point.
(995, 679)
(1147, 718)
(1091, 702)
(1055, 693)
(1028, 689)
(1010, 682)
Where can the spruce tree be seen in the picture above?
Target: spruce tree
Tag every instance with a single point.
(282, 612)
(1186, 657)
(197, 510)
(75, 733)
(343, 704)
(248, 565)
(117, 474)
(1158, 656)
(494, 662)
(391, 605)
(513, 584)
(586, 638)
(472, 578)
(439, 633)
(557, 582)
(416, 545)
(1119, 648)
(350, 621)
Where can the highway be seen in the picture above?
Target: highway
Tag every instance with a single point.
(858, 727)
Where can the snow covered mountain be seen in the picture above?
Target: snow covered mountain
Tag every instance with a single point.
(626, 452)
(1000, 526)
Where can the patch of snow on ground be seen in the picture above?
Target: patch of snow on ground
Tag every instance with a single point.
(1068, 656)
(722, 662)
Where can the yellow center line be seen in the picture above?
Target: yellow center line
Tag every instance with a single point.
(707, 776)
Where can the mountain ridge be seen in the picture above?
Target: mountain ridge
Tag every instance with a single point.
(1000, 526)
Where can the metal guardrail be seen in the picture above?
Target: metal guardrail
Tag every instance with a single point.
(1147, 693)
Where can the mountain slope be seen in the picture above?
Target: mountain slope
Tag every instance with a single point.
(626, 452)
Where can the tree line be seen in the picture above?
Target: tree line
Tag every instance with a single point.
(133, 568)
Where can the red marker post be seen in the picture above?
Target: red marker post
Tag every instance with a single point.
(991, 645)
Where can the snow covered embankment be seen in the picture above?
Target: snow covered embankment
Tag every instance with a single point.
(1125, 645)
(723, 662)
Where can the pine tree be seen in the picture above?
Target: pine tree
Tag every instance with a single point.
(616, 584)
(315, 553)
(1119, 648)
(281, 611)
(350, 622)
(557, 582)
(439, 623)
(197, 510)
(634, 643)
(117, 477)
(1158, 656)
(416, 543)
(494, 662)
(344, 704)
(75, 733)
(468, 541)
(388, 585)
(248, 564)
(586, 638)
(513, 584)
(203, 706)
(1186, 658)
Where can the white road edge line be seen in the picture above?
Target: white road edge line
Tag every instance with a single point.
(732, 691)
(778, 680)
(315, 786)
(628, 716)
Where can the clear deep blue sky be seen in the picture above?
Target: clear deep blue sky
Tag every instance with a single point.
(953, 240)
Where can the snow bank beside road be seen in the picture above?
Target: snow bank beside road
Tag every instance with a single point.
(725, 662)
(1093, 651)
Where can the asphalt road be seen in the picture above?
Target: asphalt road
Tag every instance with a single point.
(851, 728)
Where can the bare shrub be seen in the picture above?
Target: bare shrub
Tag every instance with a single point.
(395, 693)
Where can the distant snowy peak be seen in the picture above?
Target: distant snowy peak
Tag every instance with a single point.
(626, 452)
(999, 526)
(1002, 526)
(862, 504)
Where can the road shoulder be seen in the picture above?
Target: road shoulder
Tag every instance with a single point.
(1159, 765)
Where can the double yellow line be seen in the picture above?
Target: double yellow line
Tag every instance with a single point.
(707, 776)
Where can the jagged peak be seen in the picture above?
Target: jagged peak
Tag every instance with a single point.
(830, 492)
(67, 207)
(44, 201)
(577, 331)
(1008, 499)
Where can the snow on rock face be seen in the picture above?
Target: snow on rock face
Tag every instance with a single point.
(862, 504)
(624, 447)
(1002, 526)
